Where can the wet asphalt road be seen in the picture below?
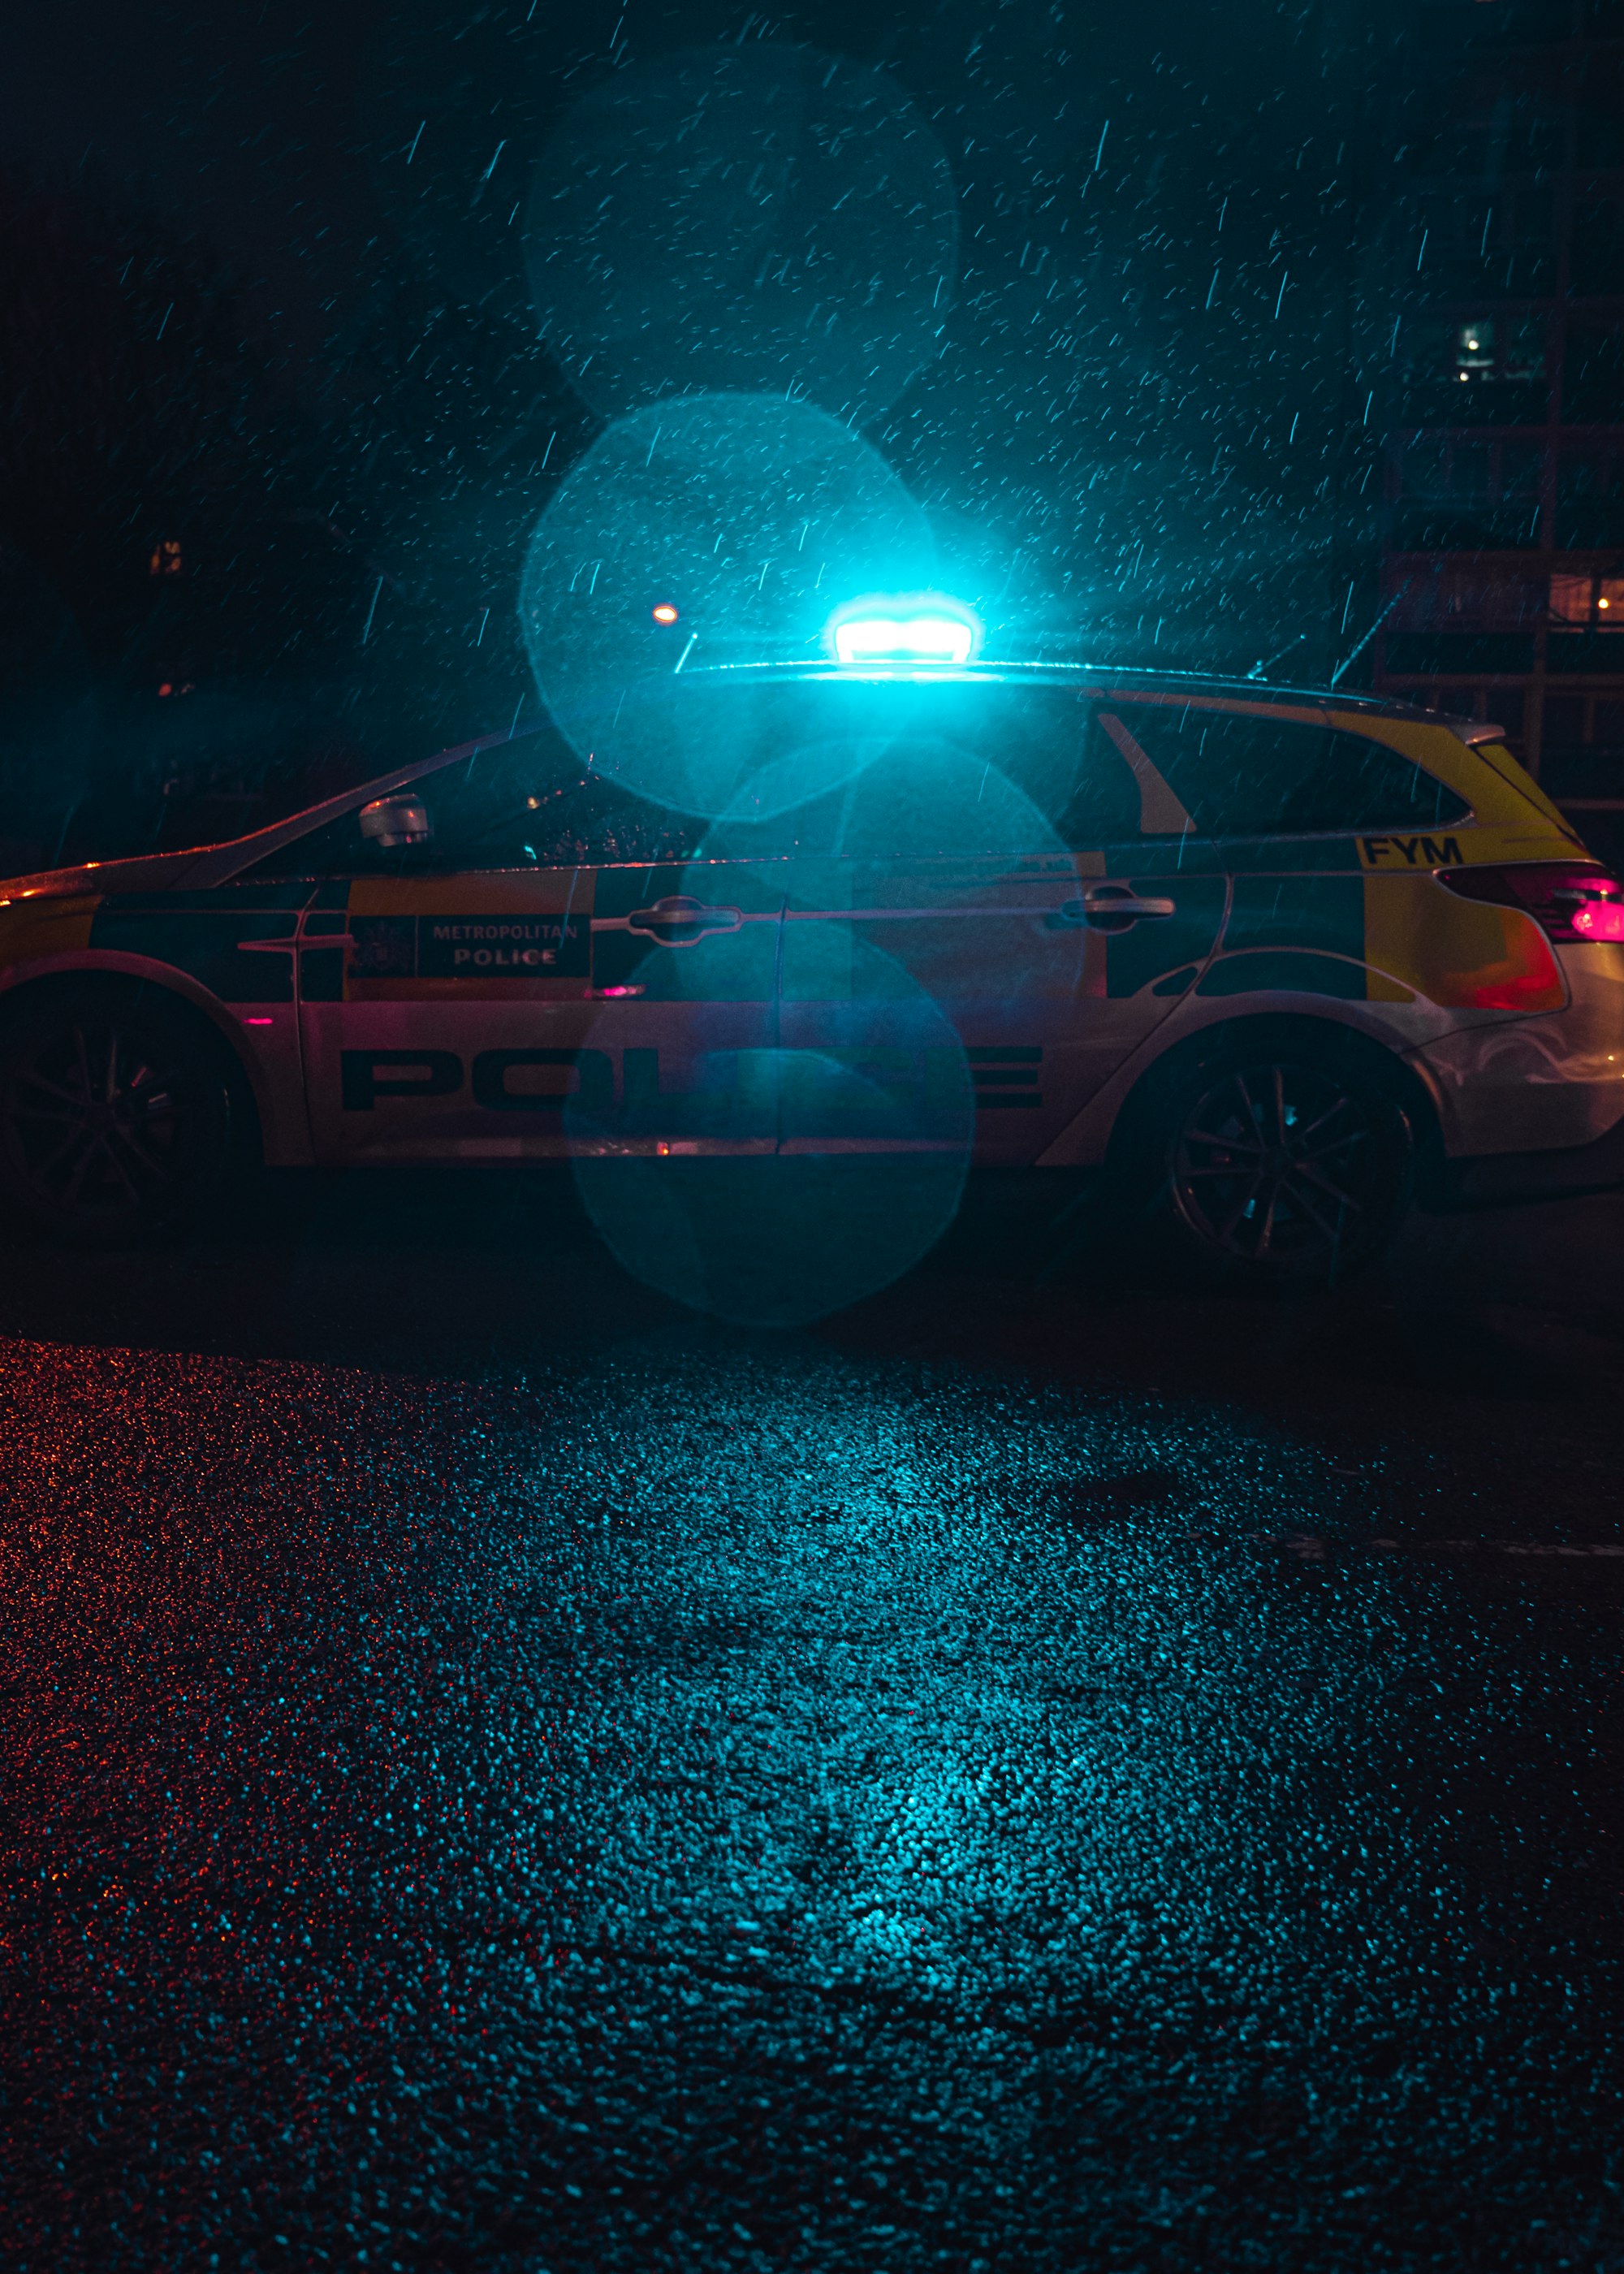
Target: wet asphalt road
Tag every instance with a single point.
(499, 1774)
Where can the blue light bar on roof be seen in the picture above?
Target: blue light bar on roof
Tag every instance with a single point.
(902, 632)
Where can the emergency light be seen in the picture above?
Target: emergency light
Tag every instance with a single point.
(901, 632)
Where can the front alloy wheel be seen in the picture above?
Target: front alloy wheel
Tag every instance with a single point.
(114, 1118)
(1287, 1170)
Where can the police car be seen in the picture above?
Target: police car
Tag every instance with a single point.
(1254, 952)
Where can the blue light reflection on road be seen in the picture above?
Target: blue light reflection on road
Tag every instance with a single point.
(700, 1800)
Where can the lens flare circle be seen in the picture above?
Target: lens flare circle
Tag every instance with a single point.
(796, 1107)
(752, 515)
(767, 217)
(768, 1181)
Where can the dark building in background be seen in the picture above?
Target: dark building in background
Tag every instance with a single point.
(1501, 252)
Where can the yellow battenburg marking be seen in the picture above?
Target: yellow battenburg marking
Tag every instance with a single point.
(1462, 954)
(1417, 854)
(519, 894)
(1512, 818)
(1406, 852)
(30, 930)
(1419, 936)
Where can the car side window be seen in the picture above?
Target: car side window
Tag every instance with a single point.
(520, 806)
(995, 770)
(1242, 774)
(972, 770)
(1117, 793)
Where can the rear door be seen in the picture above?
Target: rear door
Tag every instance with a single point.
(1285, 798)
(1012, 863)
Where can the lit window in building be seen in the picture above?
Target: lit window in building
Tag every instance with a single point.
(165, 558)
(1525, 350)
(1570, 598)
(1610, 604)
(1492, 350)
(1474, 350)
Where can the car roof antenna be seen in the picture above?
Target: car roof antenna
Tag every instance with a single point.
(1354, 653)
(1261, 669)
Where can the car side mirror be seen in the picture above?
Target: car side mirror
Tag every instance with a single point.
(391, 822)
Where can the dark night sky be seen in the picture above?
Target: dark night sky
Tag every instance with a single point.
(1144, 408)
(238, 122)
(249, 123)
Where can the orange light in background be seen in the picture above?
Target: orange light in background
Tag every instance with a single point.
(1570, 598)
(664, 614)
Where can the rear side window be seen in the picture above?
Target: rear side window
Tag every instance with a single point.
(1242, 776)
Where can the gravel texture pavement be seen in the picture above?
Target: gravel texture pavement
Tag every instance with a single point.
(1040, 1772)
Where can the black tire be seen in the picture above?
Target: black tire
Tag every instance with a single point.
(120, 1114)
(1278, 1160)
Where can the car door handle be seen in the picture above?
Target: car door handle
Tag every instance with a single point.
(679, 922)
(1110, 907)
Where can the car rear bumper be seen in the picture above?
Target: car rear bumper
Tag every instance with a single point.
(1492, 1178)
(1529, 1086)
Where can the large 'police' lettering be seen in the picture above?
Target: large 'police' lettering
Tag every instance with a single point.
(366, 1077)
(594, 1080)
(370, 1078)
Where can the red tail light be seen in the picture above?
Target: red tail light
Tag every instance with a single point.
(1567, 900)
(1599, 920)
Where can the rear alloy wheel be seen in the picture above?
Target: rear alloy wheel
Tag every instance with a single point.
(1285, 1168)
(116, 1117)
